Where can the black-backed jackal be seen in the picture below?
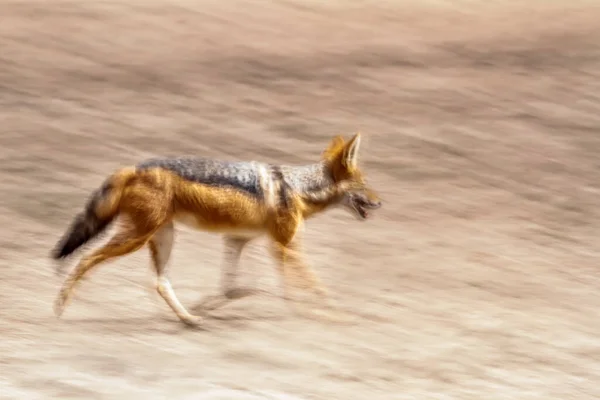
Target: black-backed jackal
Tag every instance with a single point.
(241, 200)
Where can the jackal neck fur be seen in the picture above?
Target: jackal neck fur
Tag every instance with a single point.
(307, 178)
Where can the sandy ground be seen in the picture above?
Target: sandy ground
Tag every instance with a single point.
(477, 280)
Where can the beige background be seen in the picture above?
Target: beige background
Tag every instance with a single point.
(477, 280)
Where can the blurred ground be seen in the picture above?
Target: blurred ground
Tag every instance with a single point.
(478, 279)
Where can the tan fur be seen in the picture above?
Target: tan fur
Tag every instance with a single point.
(119, 181)
(151, 201)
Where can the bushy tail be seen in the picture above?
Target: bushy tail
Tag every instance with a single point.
(101, 209)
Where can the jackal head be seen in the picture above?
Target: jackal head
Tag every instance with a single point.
(341, 157)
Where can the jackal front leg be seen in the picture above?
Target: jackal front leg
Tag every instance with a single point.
(297, 273)
(229, 289)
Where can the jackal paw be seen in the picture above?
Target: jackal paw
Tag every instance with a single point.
(60, 303)
(332, 315)
(314, 289)
(190, 320)
(328, 312)
(241, 292)
(322, 292)
(210, 303)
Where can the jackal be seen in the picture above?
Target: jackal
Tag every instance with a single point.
(241, 200)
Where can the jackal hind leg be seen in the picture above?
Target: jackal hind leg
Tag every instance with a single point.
(125, 241)
(161, 245)
(230, 291)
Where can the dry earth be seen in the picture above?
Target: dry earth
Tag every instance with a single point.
(478, 279)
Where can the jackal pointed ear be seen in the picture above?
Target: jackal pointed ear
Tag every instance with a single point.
(350, 156)
(335, 147)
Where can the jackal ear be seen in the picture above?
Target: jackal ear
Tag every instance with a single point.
(335, 147)
(350, 155)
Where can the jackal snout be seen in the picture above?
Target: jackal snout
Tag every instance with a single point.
(363, 202)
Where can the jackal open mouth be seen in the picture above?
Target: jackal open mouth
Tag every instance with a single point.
(363, 205)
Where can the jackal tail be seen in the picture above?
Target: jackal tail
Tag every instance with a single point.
(101, 209)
